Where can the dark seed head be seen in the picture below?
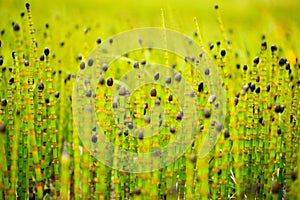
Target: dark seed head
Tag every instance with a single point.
(46, 51)
(179, 115)
(211, 46)
(268, 87)
(41, 86)
(126, 132)
(47, 100)
(281, 108)
(141, 135)
(294, 172)
(104, 67)
(13, 54)
(143, 62)
(245, 88)
(245, 67)
(3, 102)
(200, 86)
(42, 57)
(153, 92)
(256, 60)
(26, 63)
(226, 133)
(264, 44)
(172, 129)
(2, 128)
(90, 62)
(11, 81)
(94, 138)
(212, 98)
(219, 127)
(130, 125)
(137, 191)
(219, 171)
(147, 119)
(287, 66)
(218, 43)
(260, 120)
(257, 78)
(192, 93)
(279, 130)
(82, 65)
(101, 80)
(206, 71)
(223, 52)
(236, 101)
(275, 187)
(170, 98)
(88, 93)
(273, 48)
(98, 40)
(27, 5)
(56, 94)
(206, 113)
(157, 102)
(216, 6)
(178, 77)
(193, 158)
(169, 80)
(278, 108)
(252, 87)
(257, 91)
(136, 64)
(282, 61)
(156, 76)
(16, 27)
(110, 81)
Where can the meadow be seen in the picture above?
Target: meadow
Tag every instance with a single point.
(51, 51)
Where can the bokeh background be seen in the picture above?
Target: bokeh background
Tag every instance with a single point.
(244, 21)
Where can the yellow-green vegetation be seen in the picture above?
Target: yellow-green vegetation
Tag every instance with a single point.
(255, 47)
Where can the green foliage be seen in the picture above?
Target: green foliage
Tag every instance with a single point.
(256, 155)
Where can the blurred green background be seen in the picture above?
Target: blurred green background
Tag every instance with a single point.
(247, 20)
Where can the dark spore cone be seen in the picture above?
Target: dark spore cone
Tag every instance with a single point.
(256, 60)
(170, 98)
(273, 48)
(46, 51)
(98, 40)
(3, 102)
(16, 27)
(27, 5)
(82, 65)
(200, 86)
(110, 81)
(223, 52)
(41, 86)
(2, 128)
(153, 92)
(282, 61)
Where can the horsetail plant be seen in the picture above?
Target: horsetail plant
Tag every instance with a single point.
(45, 157)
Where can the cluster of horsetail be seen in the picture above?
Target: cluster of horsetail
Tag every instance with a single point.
(42, 156)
